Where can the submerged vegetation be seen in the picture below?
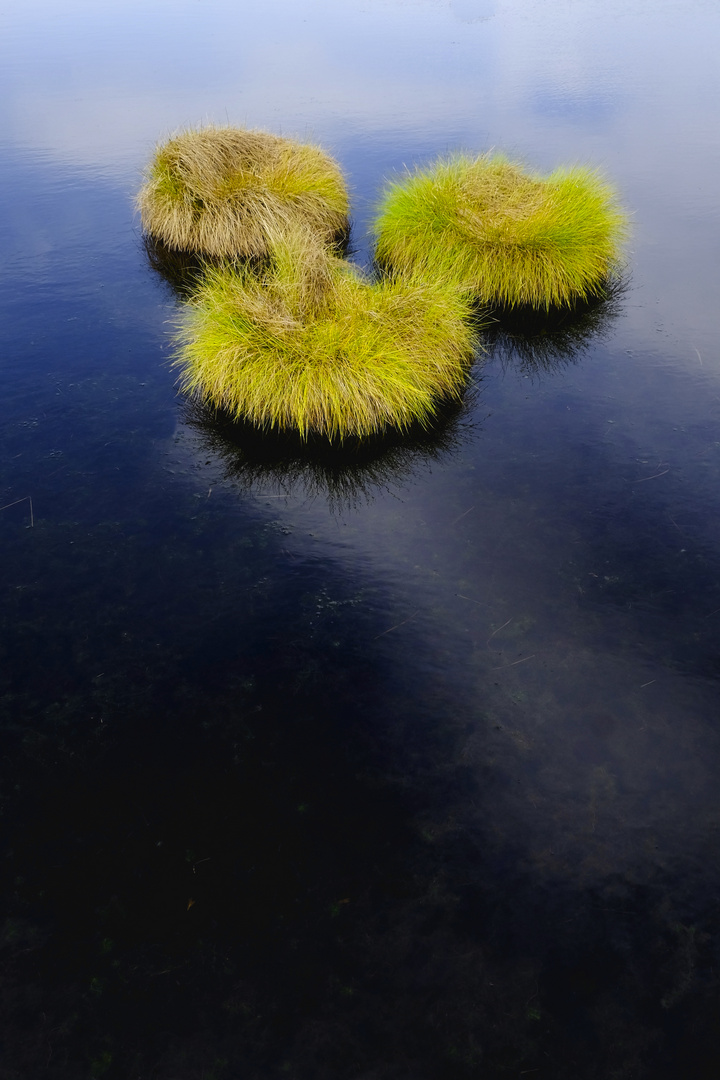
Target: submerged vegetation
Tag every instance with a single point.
(217, 191)
(310, 345)
(504, 235)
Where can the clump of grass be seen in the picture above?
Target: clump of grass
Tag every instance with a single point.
(312, 346)
(508, 236)
(216, 191)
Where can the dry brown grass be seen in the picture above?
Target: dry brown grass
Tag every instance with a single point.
(218, 191)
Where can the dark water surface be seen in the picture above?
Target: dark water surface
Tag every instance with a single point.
(401, 767)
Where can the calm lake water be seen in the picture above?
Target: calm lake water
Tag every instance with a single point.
(397, 765)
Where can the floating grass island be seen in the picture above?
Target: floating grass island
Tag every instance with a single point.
(216, 191)
(310, 345)
(509, 237)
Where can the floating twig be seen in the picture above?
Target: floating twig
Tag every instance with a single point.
(501, 627)
(17, 501)
(653, 477)
(395, 627)
(501, 667)
(461, 516)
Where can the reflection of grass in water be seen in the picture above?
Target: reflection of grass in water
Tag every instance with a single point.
(182, 270)
(538, 342)
(508, 236)
(346, 473)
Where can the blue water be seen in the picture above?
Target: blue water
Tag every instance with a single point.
(398, 765)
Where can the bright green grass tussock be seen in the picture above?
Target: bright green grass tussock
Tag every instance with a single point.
(219, 191)
(312, 346)
(507, 236)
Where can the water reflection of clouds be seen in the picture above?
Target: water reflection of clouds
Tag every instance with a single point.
(583, 107)
(91, 79)
(387, 83)
(468, 11)
(92, 83)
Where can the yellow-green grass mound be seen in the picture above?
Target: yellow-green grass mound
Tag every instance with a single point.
(507, 236)
(312, 346)
(216, 191)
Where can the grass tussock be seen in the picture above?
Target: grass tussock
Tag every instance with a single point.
(507, 236)
(312, 346)
(218, 191)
